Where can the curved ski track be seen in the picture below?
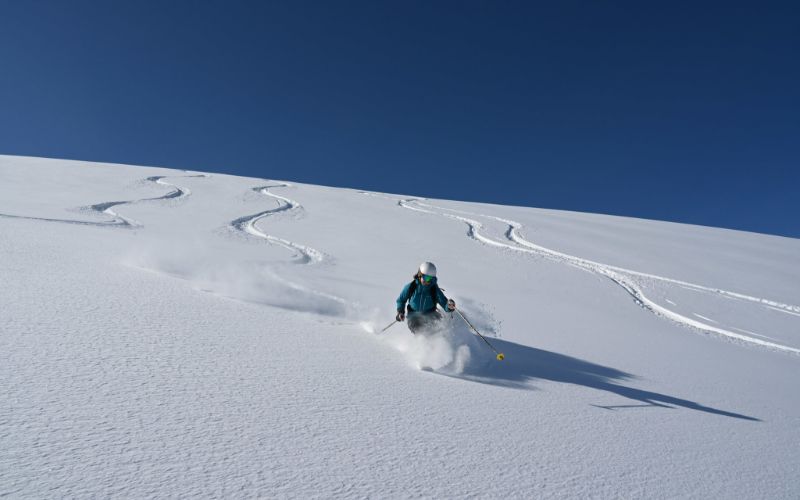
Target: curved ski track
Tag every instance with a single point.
(106, 207)
(305, 254)
(247, 224)
(620, 276)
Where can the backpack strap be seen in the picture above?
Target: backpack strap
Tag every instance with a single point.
(412, 287)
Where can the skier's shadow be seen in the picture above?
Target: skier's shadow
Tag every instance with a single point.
(524, 364)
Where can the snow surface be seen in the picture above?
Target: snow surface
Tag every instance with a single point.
(171, 333)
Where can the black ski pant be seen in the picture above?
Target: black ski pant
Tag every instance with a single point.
(418, 321)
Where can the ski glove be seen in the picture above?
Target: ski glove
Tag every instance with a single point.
(451, 305)
(400, 316)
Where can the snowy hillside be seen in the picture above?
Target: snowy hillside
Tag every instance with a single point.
(170, 333)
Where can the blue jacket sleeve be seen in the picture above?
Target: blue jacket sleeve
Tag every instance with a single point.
(442, 299)
(401, 300)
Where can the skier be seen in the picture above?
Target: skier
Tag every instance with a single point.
(422, 295)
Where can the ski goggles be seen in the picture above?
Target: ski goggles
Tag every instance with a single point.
(426, 278)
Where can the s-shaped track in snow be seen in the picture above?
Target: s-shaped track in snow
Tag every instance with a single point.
(305, 254)
(248, 224)
(107, 207)
(620, 276)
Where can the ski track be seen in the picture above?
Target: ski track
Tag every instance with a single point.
(705, 318)
(783, 310)
(620, 276)
(752, 333)
(305, 254)
(107, 207)
(247, 224)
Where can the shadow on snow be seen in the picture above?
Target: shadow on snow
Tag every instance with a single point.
(524, 364)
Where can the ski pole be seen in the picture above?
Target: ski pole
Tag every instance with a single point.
(500, 355)
(389, 326)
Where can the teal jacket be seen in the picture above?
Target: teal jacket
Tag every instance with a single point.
(422, 298)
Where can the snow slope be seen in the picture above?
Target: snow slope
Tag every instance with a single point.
(171, 333)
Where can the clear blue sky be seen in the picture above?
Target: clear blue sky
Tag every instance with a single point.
(682, 111)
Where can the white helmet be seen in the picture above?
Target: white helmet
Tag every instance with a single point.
(427, 268)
